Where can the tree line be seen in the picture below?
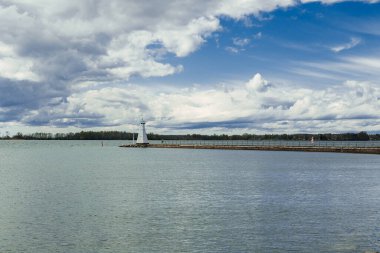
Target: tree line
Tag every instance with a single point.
(120, 135)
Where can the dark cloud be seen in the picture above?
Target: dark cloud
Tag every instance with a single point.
(229, 124)
(251, 123)
(17, 98)
(276, 104)
(29, 95)
(61, 120)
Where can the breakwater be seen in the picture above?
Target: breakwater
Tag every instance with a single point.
(335, 149)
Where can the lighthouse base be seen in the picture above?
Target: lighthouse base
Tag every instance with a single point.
(142, 145)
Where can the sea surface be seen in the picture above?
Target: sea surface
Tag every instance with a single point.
(77, 196)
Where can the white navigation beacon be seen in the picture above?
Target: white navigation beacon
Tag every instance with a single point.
(142, 139)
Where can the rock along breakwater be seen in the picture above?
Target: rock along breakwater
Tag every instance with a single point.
(359, 150)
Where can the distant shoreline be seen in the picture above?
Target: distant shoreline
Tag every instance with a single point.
(353, 150)
(122, 135)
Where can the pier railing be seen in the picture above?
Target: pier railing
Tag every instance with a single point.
(279, 143)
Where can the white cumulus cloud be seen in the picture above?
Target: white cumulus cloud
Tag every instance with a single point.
(250, 106)
(50, 49)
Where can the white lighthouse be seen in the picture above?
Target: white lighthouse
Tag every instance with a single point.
(142, 139)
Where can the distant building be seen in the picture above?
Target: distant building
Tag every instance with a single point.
(142, 138)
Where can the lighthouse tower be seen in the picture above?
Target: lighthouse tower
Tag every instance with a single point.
(142, 139)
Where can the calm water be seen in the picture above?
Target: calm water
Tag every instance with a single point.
(76, 196)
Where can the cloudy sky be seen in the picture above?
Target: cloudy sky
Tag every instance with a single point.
(190, 66)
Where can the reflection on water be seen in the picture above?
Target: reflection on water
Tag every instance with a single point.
(76, 196)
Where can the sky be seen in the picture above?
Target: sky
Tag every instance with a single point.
(190, 66)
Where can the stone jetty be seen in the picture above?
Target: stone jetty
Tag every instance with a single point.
(365, 150)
